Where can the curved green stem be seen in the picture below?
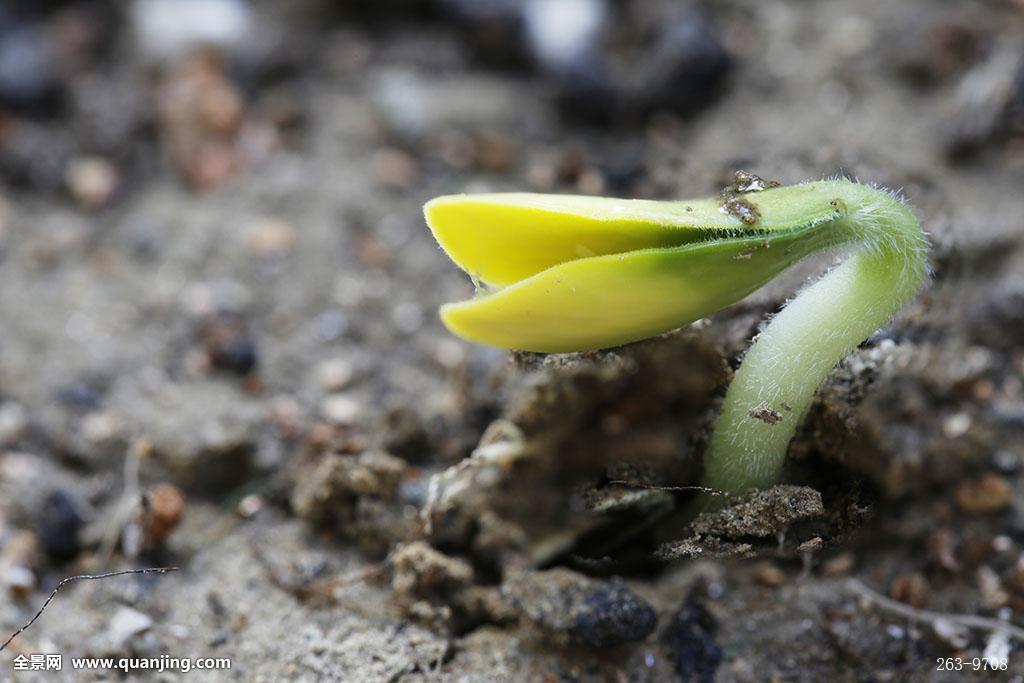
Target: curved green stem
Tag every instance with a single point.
(774, 386)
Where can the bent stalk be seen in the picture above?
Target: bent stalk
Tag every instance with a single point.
(775, 384)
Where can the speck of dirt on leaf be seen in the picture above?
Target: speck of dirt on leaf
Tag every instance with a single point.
(745, 181)
(741, 208)
(766, 414)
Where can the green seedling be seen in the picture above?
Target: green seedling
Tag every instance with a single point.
(566, 273)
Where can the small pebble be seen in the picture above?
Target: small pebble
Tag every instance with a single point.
(102, 426)
(987, 494)
(912, 589)
(20, 581)
(956, 425)
(163, 512)
(562, 32)
(92, 181)
(942, 550)
(60, 523)
(228, 344)
(270, 237)
(613, 614)
(334, 375)
(394, 169)
(13, 422)
(993, 595)
(125, 625)
(840, 565)
(341, 409)
(167, 29)
(956, 636)
(250, 505)
(769, 575)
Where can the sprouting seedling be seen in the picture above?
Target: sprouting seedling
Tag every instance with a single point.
(575, 273)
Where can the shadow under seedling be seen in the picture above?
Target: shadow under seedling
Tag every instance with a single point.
(569, 273)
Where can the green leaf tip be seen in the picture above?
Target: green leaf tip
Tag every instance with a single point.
(574, 273)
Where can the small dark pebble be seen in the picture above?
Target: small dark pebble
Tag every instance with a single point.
(585, 91)
(28, 70)
(691, 638)
(494, 30)
(623, 170)
(60, 521)
(613, 614)
(229, 344)
(84, 395)
(687, 68)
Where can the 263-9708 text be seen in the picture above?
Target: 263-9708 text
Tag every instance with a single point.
(973, 664)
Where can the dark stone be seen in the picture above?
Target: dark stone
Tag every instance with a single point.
(492, 29)
(691, 637)
(229, 344)
(84, 396)
(238, 356)
(585, 91)
(624, 170)
(60, 522)
(29, 75)
(687, 69)
(613, 614)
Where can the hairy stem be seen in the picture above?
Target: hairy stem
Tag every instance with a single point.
(775, 385)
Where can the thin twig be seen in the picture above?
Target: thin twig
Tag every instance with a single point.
(653, 487)
(929, 617)
(81, 577)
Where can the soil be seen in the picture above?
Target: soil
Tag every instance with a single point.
(219, 349)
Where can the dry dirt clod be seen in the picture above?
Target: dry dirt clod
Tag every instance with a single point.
(753, 522)
(330, 489)
(420, 572)
(763, 513)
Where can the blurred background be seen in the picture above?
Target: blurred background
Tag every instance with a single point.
(219, 346)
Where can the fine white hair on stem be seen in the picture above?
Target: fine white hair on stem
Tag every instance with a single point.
(884, 264)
